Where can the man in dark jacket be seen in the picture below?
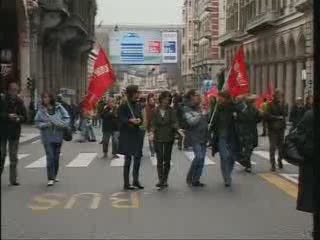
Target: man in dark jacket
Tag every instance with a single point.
(110, 128)
(306, 200)
(12, 114)
(276, 114)
(297, 112)
(130, 141)
(197, 131)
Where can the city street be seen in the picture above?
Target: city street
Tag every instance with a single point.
(88, 202)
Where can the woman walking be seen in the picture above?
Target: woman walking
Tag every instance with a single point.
(164, 127)
(52, 119)
(148, 118)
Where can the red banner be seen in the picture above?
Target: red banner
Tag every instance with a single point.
(101, 81)
(238, 82)
(268, 95)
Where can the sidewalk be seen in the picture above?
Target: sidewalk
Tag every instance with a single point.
(29, 134)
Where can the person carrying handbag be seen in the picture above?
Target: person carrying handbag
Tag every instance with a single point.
(52, 120)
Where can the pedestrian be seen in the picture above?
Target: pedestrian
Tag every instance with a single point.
(130, 141)
(297, 112)
(226, 140)
(12, 114)
(178, 108)
(306, 187)
(276, 114)
(52, 119)
(264, 120)
(149, 113)
(197, 130)
(164, 128)
(142, 105)
(110, 128)
(309, 102)
(247, 118)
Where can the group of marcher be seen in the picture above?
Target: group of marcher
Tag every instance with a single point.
(229, 126)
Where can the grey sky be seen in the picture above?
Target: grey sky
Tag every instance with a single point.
(139, 12)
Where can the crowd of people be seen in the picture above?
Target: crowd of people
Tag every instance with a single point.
(225, 124)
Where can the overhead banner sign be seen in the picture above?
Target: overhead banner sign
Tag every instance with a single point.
(134, 48)
(169, 47)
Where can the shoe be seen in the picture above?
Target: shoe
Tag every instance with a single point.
(159, 185)
(128, 187)
(50, 182)
(115, 156)
(15, 184)
(227, 185)
(248, 170)
(57, 180)
(273, 169)
(280, 165)
(198, 184)
(138, 185)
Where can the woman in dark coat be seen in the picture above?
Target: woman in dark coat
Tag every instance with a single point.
(164, 128)
(306, 199)
(130, 140)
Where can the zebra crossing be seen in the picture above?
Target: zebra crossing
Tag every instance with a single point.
(85, 159)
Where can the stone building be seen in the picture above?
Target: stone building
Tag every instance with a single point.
(277, 36)
(207, 57)
(48, 41)
(187, 74)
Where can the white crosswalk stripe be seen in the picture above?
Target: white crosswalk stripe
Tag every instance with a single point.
(40, 163)
(117, 162)
(37, 141)
(265, 155)
(207, 161)
(20, 156)
(82, 160)
(291, 177)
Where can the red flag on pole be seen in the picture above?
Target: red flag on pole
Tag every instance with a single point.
(238, 82)
(101, 81)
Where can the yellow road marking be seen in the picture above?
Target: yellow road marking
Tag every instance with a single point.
(286, 186)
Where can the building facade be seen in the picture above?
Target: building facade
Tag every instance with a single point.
(207, 58)
(277, 36)
(187, 73)
(50, 42)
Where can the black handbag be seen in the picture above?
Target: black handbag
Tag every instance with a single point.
(67, 134)
(293, 141)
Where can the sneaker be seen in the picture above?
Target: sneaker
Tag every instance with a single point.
(248, 170)
(15, 183)
(57, 180)
(128, 187)
(158, 185)
(115, 156)
(138, 185)
(198, 184)
(50, 182)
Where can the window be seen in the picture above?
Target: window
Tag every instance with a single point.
(183, 49)
(189, 3)
(189, 64)
(190, 46)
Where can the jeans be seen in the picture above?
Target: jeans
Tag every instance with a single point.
(227, 158)
(13, 155)
(195, 171)
(115, 142)
(53, 154)
(164, 151)
(136, 168)
(276, 140)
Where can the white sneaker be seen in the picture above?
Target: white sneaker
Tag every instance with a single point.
(50, 183)
(57, 180)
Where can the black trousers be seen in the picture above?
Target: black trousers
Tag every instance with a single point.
(136, 169)
(13, 156)
(316, 226)
(163, 152)
(276, 140)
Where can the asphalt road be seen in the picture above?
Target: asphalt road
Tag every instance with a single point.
(89, 203)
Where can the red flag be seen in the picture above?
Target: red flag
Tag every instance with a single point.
(238, 82)
(213, 92)
(102, 79)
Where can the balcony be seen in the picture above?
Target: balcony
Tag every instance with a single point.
(303, 5)
(262, 22)
(232, 36)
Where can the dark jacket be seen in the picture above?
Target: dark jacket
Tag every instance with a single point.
(197, 124)
(305, 200)
(110, 122)
(10, 128)
(131, 138)
(246, 121)
(276, 116)
(296, 115)
(164, 127)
